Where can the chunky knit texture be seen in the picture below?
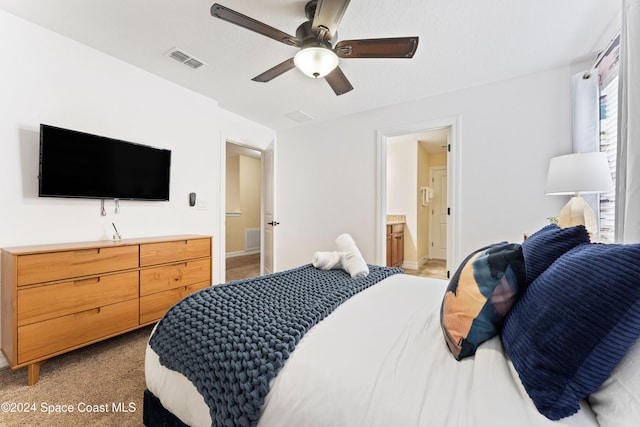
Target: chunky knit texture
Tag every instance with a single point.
(230, 340)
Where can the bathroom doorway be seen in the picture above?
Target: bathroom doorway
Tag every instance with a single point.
(417, 197)
(425, 198)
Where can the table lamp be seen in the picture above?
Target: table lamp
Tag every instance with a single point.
(575, 174)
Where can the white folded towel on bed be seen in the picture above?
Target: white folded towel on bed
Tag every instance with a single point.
(326, 260)
(350, 257)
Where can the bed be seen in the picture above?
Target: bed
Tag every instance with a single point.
(380, 358)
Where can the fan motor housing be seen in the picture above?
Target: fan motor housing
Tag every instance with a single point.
(304, 31)
(305, 34)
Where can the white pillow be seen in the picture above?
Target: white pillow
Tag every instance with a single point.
(617, 402)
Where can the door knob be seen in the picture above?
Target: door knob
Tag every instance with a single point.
(273, 223)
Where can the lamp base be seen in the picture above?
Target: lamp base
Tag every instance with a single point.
(578, 212)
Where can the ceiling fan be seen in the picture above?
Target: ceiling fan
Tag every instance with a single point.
(317, 58)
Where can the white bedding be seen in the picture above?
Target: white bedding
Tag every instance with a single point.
(380, 360)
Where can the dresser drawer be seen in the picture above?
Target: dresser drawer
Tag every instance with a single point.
(153, 307)
(40, 339)
(50, 266)
(172, 276)
(178, 250)
(74, 296)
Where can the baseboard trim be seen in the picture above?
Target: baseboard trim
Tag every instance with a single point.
(241, 253)
(410, 265)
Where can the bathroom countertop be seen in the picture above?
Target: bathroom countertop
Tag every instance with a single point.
(396, 219)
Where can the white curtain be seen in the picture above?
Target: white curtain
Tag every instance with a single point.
(585, 109)
(585, 102)
(628, 161)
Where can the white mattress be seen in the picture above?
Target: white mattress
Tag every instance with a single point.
(380, 360)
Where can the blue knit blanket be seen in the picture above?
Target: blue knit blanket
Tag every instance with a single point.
(230, 340)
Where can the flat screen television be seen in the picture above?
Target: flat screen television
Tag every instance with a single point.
(82, 165)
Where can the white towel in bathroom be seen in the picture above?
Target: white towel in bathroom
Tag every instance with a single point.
(350, 257)
(326, 260)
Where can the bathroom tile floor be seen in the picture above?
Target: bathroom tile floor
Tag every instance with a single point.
(432, 268)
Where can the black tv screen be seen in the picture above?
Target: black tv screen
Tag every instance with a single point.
(78, 164)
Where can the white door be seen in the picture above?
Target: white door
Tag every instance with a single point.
(268, 207)
(439, 214)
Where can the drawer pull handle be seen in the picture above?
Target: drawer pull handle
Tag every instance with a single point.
(88, 251)
(92, 281)
(179, 265)
(90, 312)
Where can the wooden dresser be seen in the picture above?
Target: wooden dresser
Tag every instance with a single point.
(56, 298)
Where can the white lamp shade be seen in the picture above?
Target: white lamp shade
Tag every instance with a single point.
(316, 61)
(579, 173)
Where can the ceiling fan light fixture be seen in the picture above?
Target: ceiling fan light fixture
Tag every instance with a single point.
(316, 61)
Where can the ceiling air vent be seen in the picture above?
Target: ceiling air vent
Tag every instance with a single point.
(185, 58)
(299, 116)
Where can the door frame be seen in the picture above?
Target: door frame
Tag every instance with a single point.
(453, 182)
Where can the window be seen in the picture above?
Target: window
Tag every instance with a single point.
(609, 145)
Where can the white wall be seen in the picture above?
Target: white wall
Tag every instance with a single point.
(508, 132)
(46, 78)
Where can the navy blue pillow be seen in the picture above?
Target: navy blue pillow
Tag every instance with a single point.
(546, 245)
(573, 324)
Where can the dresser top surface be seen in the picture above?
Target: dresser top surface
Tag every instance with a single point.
(25, 250)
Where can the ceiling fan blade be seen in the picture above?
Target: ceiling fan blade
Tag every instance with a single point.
(274, 72)
(399, 47)
(338, 81)
(226, 14)
(328, 14)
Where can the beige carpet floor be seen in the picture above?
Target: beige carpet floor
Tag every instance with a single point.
(103, 384)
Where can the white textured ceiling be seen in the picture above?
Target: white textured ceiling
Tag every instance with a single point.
(463, 43)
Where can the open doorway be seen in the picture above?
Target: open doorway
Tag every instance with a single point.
(421, 194)
(243, 213)
(416, 203)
